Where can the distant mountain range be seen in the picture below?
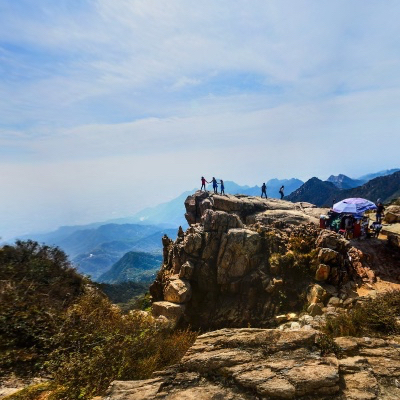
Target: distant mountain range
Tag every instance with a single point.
(322, 193)
(385, 172)
(133, 266)
(344, 182)
(94, 249)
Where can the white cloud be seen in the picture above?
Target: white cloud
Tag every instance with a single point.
(181, 88)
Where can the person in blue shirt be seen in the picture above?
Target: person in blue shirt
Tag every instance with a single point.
(215, 185)
(221, 183)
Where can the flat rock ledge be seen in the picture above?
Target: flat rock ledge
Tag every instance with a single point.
(248, 363)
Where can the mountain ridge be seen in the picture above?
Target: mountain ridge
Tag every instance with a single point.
(322, 193)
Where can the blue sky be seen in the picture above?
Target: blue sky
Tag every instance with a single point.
(107, 106)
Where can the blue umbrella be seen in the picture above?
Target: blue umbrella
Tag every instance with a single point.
(354, 206)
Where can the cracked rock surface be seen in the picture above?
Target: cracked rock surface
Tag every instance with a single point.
(251, 363)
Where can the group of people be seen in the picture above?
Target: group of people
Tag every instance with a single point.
(264, 191)
(222, 187)
(214, 184)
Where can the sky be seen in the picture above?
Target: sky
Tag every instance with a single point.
(108, 107)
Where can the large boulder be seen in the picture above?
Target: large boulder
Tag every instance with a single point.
(220, 221)
(322, 273)
(328, 256)
(392, 214)
(178, 291)
(236, 256)
(171, 311)
(331, 240)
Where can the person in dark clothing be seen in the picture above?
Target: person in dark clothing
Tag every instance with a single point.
(349, 226)
(264, 190)
(203, 183)
(222, 187)
(281, 191)
(379, 213)
(215, 185)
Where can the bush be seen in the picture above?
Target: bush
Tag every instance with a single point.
(36, 284)
(98, 344)
(376, 317)
(56, 322)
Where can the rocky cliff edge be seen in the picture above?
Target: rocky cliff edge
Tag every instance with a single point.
(245, 260)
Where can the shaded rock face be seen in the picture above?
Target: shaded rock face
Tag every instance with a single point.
(235, 265)
(394, 239)
(267, 363)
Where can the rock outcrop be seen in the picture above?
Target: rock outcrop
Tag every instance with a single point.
(251, 364)
(392, 214)
(244, 260)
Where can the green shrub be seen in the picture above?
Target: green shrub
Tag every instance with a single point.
(302, 244)
(327, 345)
(36, 284)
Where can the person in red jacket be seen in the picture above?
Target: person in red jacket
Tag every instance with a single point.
(203, 183)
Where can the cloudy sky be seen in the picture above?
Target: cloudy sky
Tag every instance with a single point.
(108, 106)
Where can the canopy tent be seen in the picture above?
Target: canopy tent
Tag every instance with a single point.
(354, 206)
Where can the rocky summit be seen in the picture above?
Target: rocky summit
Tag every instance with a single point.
(252, 364)
(225, 270)
(244, 261)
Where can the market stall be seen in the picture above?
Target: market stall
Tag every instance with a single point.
(347, 217)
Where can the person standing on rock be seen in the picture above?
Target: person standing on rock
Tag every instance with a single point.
(379, 213)
(281, 191)
(215, 185)
(221, 183)
(203, 183)
(264, 190)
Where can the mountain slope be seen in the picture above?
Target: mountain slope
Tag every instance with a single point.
(86, 240)
(100, 259)
(133, 266)
(385, 188)
(315, 191)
